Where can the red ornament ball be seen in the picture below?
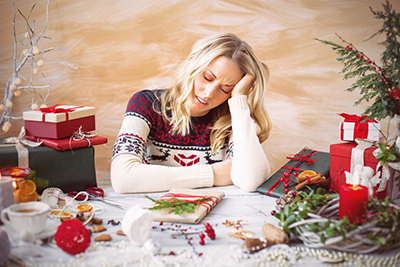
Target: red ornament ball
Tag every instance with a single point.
(286, 190)
(72, 237)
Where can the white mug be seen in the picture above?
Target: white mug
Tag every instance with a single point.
(6, 192)
(28, 217)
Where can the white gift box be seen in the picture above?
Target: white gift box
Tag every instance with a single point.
(349, 131)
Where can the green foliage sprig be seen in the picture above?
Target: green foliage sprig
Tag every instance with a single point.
(39, 182)
(380, 84)
(381, 215)
(178, 205)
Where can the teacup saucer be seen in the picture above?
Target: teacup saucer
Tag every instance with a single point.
(49, 231)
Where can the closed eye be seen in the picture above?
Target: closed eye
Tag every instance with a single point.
(205, 78)
(226, 92)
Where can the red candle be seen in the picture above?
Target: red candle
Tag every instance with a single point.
(353, 201)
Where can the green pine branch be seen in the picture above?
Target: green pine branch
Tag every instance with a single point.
(39, 182)
(178, 205)
(374, 82)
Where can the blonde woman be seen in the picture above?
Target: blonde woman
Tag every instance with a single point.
(206, 130)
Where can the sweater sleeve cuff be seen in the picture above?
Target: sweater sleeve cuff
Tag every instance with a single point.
(238, 103)
(206, 174)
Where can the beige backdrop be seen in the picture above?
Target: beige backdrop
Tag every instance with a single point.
(104, 51)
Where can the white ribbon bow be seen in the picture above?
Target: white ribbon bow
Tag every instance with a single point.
(19, 142)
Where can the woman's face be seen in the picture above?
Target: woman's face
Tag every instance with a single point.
(214, 85)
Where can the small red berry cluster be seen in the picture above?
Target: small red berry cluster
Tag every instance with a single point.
(209, 230)
(367, 60)
(286, 180)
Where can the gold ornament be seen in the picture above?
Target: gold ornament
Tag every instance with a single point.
(35, 71)
(13, 87)
(17, 93)
(17, 81)
(6, 126)
(40, 63)
(34, 106)
(35, 50)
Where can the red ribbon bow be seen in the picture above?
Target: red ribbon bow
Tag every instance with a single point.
(300, 157)
(188, 198)
(54, 109)
(354, 118)
(360, 128)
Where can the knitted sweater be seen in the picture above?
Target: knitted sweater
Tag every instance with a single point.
(148, 158)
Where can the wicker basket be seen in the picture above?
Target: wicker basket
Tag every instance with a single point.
(354, 241)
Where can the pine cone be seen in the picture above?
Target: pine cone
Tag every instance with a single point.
(284, 200)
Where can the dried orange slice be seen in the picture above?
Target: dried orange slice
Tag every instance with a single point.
(307, 173)
(27, 198)
(27, 187)
(84, 207)
(61, 214)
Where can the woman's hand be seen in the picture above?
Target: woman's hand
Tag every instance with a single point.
(222, 172)
(243, 86)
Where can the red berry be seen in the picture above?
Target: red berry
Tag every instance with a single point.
(357, 55)
(295, 174)
(273, 212)
(202, 235)
(200, 254)
(206, 224)
(171, 253)
(201, 242)
(286, 190)
(286, 174)
(282, 179)
(161, 223)
(211, 236)
(287, 180)
(286, 185)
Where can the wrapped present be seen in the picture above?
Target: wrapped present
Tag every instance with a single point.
(346, 157)
(212, 198)
(352, 128)
(58, 122)
(70, 143)
(389, 174)
(285, 177)
(70, 170)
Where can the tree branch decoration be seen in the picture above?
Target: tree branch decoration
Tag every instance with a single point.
(378, 83)
(31, 54)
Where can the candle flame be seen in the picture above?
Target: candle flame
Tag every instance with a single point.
(14, 184)
(356, 178)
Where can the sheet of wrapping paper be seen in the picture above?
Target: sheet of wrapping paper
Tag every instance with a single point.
(168, 215)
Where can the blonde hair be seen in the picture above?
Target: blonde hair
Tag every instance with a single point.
(174, 101)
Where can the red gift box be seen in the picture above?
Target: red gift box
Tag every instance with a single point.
(341, 162)
(69, 143)
(352, 128)
(59, 121)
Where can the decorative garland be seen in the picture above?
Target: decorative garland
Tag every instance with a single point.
(313, 218)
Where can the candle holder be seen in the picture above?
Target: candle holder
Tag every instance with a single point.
(18, 176)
